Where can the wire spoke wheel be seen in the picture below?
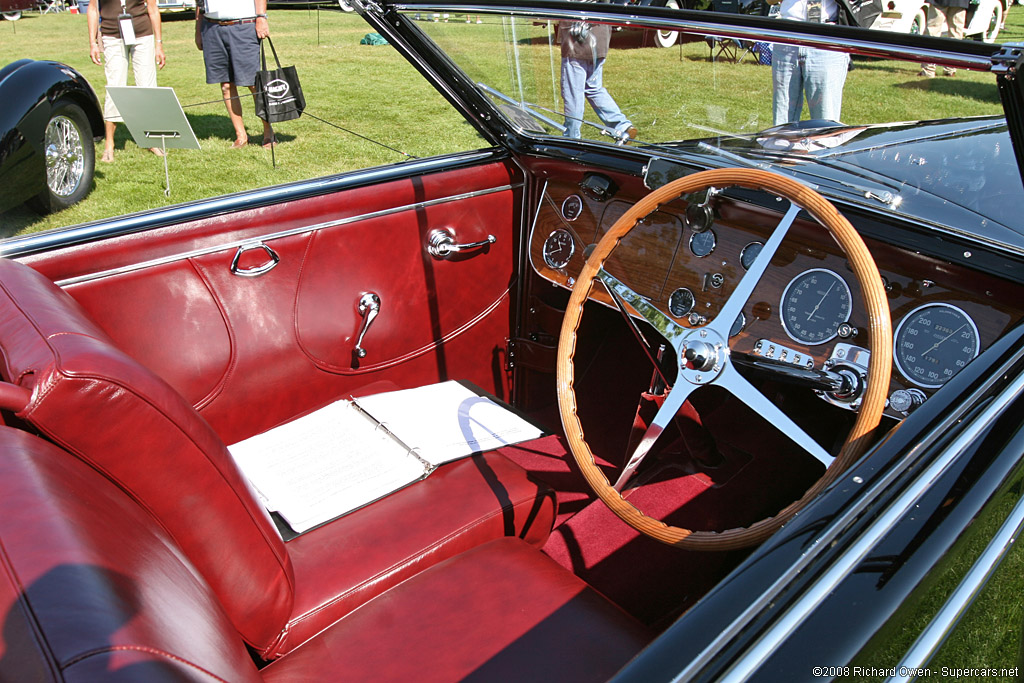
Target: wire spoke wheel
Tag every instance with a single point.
(65, 156)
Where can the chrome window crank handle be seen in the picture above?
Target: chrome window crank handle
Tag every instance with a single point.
(369, 307)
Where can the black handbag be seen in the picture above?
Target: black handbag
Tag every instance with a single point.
(278, 93)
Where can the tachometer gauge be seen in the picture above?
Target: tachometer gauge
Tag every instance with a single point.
(558, 249)
(933, 342)
(814, 305)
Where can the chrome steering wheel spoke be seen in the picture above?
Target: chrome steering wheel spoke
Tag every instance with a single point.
(673, 402)
(737, 385)
(738, 299)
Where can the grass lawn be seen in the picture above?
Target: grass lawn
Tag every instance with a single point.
(372, 91)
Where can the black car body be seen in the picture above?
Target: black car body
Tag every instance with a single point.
(812, 330)
(47, 106)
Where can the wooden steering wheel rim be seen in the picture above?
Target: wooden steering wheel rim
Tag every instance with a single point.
(879, 342)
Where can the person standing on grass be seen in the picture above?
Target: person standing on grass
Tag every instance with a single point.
(584, 49)
(228, 32)
(945, 18)
(121, 31)
(799, 71)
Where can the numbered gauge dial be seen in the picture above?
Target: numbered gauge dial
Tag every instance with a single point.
(703, 243)
(933, 342)
(558, 249)
(681, 302)
(572, 207)
(814, 305)
(750, 253)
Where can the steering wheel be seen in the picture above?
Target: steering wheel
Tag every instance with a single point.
(704, 356)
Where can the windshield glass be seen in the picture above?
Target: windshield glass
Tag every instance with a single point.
(851, 126)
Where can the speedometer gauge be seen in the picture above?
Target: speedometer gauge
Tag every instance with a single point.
(814, 305)
(933, 342)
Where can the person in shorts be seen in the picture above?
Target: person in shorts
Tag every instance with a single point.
(229, 32)
(139, 43)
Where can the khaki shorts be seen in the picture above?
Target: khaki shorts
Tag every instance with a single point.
(115, 64)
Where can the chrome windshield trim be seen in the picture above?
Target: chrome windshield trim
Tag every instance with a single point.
(205, 208)
(258, 241)
(592, 11)
(935, 634)
(813, 595)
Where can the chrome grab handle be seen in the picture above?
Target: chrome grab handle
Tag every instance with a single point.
(255, 270)
(369, 307)
(441, 243)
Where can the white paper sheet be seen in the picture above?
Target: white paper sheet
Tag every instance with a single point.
(447, 421)
(325, 464)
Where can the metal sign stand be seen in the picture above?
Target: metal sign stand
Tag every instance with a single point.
(153, 114)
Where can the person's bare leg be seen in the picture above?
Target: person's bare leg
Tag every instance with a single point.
(108, 141)
(268, 132)
(230, 93)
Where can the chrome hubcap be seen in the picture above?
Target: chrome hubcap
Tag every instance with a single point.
(65, 156)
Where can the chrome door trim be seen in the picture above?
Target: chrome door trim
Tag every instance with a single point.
(206, 208)
(256, 241)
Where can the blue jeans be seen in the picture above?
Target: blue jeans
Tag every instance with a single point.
(583, 79)
(820, 74)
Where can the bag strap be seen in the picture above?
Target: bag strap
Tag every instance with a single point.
(263, 53)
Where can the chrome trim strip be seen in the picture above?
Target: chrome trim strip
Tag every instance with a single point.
(833, 530)
(815, 594)
(935, 634)
(205, 208)
(727, 30)
(256, 241)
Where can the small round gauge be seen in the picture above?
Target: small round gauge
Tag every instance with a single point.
(933, 342)
(572, 207)
(703, 243)
(738, 325)
(558, 249)
(816, 302)
(750, 253)
(681, 302)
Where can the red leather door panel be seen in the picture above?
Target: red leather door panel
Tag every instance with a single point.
(251, 352)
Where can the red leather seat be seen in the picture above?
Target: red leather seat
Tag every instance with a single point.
(101, 405)
(97, 590)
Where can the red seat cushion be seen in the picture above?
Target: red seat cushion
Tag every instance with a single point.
(341, 565)
(501, 611)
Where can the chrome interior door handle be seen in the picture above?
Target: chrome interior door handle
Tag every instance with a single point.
(272, 260)
(369, 307)
(442, 244)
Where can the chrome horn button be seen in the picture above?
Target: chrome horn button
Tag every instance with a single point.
(702, 356)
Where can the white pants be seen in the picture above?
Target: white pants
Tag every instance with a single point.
(115, 65)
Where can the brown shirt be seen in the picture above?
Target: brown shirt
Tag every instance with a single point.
(110, 9)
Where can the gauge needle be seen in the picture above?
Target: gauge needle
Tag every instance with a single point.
(936, 344)
(818, 305)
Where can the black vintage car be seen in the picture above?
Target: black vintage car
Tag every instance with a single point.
(777, 365)
(47, 125)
